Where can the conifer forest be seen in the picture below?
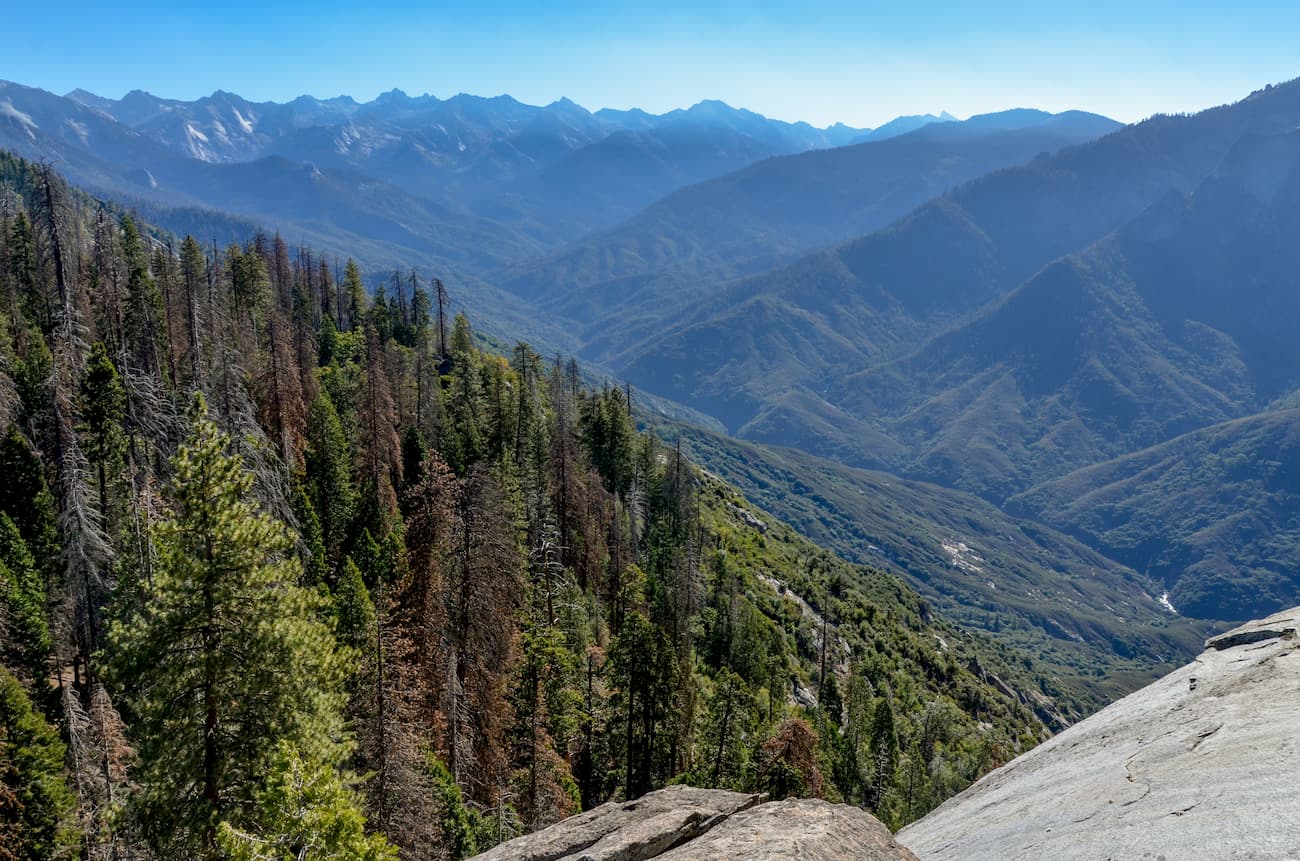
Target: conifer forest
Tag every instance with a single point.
(294, 564)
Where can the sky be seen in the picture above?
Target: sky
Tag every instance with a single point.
(861, 63)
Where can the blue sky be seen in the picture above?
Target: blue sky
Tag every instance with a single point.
(857, 62)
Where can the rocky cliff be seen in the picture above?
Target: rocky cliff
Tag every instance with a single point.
(1201, 764)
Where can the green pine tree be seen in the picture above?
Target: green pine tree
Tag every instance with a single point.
(354, 611)
(311, 540)
(304, 811)
(144, 305)
(226, 658)
(26, 498)
(36, 805)
(884, 752)
(329, 465)
(356, 295)
(24, 631)
(459, 831)
(101, 403)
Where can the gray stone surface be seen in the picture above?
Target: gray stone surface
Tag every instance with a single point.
(1202, 764)
(681, 823)
(629, 830)
(803, 828)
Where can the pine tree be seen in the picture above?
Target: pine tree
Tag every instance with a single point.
(26, 498)
(414, 451)
(144, 307)
(311, 540)
(303, 811)
(356, 296)
(546, 709)
(788, 762)
(482, 599)
(23, 266)
(101, 404)
(329, 467)
(194, 274)
(36, 805)
(250, 285)
(645, 677)
(226, 657)
(282, 413)
(167, 275)
(883, 745)
(728, 724)
(380, 455)
(464, 439)
(24, 631)
(354, 612)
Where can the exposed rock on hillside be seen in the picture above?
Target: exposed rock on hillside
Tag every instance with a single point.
(802, 828)
(682, 823)
(1200, 764)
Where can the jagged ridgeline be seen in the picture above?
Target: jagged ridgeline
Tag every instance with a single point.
(283, 565)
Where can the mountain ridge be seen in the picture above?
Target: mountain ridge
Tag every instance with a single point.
(997, 230)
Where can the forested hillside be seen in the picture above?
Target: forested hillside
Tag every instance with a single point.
(286, 568)
(1212, 513)
(828, 353)
(1095, 627)
(623, 279)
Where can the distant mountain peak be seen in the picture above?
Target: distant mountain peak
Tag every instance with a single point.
(710, 106)
(306, 99)
(567, 104)
(394, 95)
(88, 99)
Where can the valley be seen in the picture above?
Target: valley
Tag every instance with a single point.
(423, 471)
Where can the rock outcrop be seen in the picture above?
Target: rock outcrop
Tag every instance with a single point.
(682, 823)
(1202, 764)
(802, 828)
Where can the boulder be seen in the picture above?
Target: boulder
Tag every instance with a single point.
(627, 830)
(802, 828)
(682, 823)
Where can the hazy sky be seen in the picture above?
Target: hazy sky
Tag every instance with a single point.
(857, 62)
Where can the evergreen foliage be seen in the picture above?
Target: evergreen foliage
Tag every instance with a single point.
(225, 657)
(303, 810)
(383, 588)
(36, 805)
(25, 640)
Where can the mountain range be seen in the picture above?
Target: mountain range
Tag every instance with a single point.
(469, 186)
(960, 347)
(766, 214)
(551, 171)
(1004, 326)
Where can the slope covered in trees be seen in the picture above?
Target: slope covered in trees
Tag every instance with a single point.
(1210, 514)
(290, 566)
(1095, 627)
(749, 220)
(775, 352)
(1179, 320)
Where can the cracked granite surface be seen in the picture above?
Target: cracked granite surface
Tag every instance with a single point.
(1202, 764)
(682, 823)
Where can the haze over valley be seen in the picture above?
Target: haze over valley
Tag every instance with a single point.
(399, 476)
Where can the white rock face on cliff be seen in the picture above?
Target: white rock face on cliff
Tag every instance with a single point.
(1203, 764)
